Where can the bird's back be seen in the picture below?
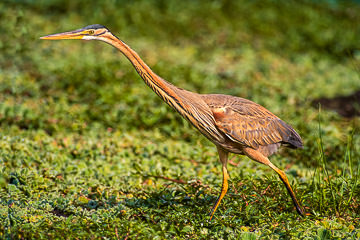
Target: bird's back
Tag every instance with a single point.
(250, 125)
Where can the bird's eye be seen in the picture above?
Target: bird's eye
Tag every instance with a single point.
(91, 32)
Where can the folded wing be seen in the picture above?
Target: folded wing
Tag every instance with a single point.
(252, 125)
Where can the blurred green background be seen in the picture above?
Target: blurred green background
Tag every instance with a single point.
(85, 145)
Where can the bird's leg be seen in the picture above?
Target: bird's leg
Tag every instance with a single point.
(257, 156)
(223, 155)
(285, 180)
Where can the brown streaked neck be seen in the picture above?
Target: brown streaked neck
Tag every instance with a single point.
(162, 88)
(189, 105)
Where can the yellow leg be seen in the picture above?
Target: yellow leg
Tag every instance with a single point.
(285, 180)
(257, 156)
(223, 158)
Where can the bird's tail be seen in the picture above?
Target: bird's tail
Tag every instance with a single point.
(291, 138)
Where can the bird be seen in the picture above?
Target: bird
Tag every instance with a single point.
(235, 125)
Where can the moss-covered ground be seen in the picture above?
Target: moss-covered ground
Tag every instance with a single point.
(87, 151)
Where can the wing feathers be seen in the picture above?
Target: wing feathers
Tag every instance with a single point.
(250, 124)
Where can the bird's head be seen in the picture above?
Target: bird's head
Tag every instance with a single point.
(91, 32)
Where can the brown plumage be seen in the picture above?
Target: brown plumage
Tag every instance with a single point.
(233, 124)
(250, 124)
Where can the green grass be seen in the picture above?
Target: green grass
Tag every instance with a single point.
(87, 151)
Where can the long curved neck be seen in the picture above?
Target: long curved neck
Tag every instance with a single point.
(188, 104)
(162, 88)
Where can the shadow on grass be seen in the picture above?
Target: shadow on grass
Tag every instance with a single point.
(347, 106)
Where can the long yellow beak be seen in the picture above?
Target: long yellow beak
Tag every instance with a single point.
(77, 34)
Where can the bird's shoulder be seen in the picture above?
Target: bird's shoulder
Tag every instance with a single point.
(236, 107)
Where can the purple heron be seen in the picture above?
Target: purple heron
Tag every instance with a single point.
(233, 124)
